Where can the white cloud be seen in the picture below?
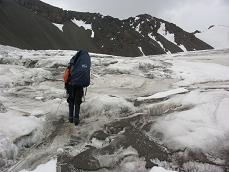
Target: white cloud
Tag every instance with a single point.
(189, 14)
(198, 14)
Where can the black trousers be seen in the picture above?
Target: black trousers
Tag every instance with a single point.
(74, 101)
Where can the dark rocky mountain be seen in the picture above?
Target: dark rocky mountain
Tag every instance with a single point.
(32, 24)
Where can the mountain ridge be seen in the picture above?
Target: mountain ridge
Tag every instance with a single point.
(62, 29)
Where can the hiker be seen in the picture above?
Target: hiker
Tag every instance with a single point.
(76, 77)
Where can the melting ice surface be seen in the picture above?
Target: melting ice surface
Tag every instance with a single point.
(47, 167)
(179, 100)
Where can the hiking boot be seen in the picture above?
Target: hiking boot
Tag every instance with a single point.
(76, 121)
(70, 120)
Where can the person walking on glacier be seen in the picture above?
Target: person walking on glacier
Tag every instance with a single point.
(76, 77)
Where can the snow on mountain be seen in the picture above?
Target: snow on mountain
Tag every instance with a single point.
(162, 30)
(215, 35)
(169, 111)
(140, 48)
(83, 24)
(161, 45)
(59, 26)
(92, 31)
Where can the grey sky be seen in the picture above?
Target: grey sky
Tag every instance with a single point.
(189, 14)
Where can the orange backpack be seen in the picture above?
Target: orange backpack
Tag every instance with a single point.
(66, 75)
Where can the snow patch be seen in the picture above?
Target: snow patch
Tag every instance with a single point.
(59, 26)
(202, 127)
(140, 48)
(137, 18)
(39, 98)
(20, 125)
(183, 48)
(161, 45)
(122, 67)
(83, 24)
(137, 29)
(189, 72)
(97, 143)
(160, 169)
(164, 94)
(169, 36)
(47, 167)
(17, 131)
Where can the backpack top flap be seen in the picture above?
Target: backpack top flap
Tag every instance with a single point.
(76, 57)
(80, 72)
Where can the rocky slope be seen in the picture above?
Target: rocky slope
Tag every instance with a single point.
(32, 24)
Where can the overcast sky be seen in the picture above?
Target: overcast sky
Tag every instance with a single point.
(189, 14)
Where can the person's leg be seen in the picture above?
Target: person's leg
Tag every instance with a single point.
(78, 101)
(71, 100)
(71, 109)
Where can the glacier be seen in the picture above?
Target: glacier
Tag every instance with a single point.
(169, 111)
